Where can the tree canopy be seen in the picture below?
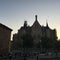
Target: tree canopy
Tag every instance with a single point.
(27, 40)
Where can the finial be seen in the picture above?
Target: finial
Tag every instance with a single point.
(35, 17)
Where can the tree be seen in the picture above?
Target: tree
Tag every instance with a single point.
(38, 45)
(27, 40)
(57, 45)
(47, 43)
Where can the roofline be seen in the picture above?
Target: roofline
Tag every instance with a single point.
(5, 27)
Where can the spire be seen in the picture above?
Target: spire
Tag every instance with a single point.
(46, 23)
(36, 23)
(36, 17)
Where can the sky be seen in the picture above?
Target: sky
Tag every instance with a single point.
(13, 13)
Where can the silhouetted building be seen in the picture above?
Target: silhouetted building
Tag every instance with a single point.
(5, 37)
(37, 31)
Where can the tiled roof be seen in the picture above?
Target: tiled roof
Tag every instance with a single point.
(3, 26)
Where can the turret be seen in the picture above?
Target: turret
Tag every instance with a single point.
(25, 23)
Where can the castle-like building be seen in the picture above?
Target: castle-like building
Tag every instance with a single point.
(37, 31)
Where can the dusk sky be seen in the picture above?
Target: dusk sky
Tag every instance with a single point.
(13, 13)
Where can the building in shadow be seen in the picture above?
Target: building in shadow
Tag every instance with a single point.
(5, 38)
(38, 33)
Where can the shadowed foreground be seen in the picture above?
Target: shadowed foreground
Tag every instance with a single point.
(40, 57)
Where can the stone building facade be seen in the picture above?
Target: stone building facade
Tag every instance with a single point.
(5, 38)
(36, 30)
